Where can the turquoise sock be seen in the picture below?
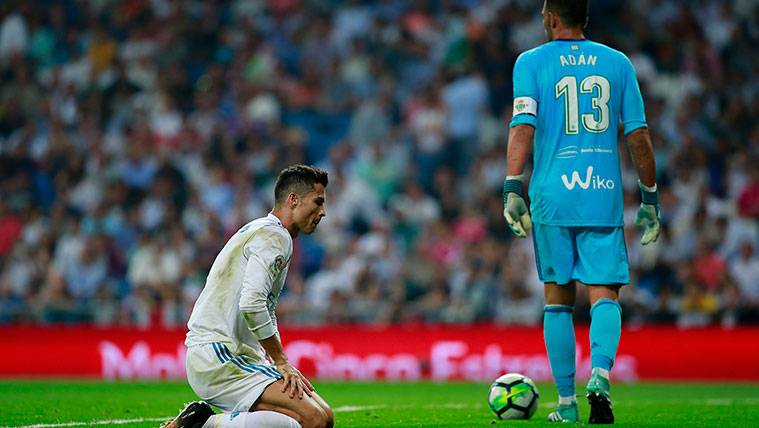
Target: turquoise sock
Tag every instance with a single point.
(605, 329)
(559, 334)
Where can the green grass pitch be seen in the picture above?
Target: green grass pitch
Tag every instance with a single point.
(43, 404)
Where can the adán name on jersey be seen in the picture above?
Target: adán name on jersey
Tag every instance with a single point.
(577, 59)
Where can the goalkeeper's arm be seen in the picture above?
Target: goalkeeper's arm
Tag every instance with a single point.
(642, 153)
(518, 151)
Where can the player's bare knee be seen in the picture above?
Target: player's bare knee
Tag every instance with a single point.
(324, 420)
(330, 416)
(313, 417)
(560, 294)
(598, 292)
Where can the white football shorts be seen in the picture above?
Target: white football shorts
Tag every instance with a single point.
(228, 381)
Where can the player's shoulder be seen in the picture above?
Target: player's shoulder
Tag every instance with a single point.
(268, 230)
(609, 51)
(533, 55)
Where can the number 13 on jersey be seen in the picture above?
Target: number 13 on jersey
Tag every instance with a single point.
(567, 87)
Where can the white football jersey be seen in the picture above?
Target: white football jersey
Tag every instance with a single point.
(247, 275)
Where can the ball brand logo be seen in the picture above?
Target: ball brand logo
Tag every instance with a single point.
(591, 181)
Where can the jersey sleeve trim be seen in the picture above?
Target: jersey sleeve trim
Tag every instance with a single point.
(633, 125)
(524, 119)
(259, 323)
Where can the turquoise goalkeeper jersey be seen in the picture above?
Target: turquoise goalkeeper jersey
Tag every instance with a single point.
(576, 93)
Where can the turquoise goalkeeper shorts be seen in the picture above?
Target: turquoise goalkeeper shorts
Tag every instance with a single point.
(591, 255)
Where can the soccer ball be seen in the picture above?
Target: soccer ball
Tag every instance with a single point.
(513, 396)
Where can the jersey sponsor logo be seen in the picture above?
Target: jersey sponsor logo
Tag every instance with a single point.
(525, 105)
(597, 150)
(596, 182)
(567, 152)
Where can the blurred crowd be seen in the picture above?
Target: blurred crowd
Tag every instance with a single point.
(137, 136)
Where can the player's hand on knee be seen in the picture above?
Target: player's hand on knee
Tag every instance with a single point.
(309, 386)
(294, 381)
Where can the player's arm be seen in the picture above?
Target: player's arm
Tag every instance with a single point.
(518, 151)
(521, 132)
(293, 378)
(265, 258)
(642, 153)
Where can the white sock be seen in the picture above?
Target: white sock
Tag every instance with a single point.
(567, 400)
(603, 372)
(258, 419)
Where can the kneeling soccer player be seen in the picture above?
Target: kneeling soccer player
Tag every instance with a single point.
(235, 359)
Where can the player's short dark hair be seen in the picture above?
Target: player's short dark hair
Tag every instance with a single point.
(573, 13)
(299, 179)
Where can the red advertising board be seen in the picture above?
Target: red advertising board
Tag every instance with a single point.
(397, 353)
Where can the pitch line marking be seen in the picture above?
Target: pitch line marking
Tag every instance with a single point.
(79, 424)
(345, 409)
(342, 409)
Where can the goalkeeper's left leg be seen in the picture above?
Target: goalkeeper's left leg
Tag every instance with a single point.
(605, 331)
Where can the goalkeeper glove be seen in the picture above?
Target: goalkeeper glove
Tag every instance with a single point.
(514, 208)
(648, 213)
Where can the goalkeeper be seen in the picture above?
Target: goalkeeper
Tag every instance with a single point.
(570, 95)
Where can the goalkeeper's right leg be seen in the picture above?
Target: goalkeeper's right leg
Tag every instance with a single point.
(599, 399)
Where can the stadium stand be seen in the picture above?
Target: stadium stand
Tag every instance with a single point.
(135, 137)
